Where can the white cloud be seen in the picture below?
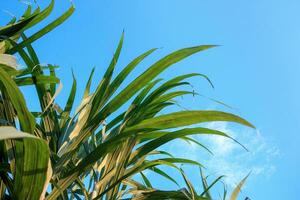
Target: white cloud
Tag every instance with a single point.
(229, 158)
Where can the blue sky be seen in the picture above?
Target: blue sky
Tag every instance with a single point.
(255, 70)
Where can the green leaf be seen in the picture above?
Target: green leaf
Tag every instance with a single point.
(88, 85)
(198, 143)
(40, 79)
(27, 120)
(238, 188)
(44, 30)
(206, 191)
(162, 173)
(189, 185)
(159, 91)
(15, 28)
(27, 12)
(31, 168)
(146, 180)
(31, 51)
(102, 91)
(31, 157)
(65, 114)
(185, 76)
(185, 118)
(170, 96)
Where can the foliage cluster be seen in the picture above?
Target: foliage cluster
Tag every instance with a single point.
(55, 154)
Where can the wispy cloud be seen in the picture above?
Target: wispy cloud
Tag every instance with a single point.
(229, 158)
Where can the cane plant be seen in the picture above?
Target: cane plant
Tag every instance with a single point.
(97, 152)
